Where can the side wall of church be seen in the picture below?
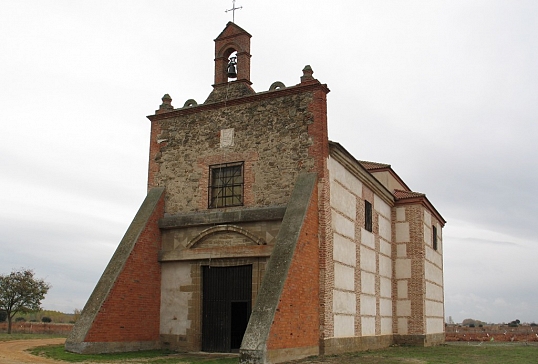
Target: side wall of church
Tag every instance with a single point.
(433, 274)
(358, 278)
(418, 285)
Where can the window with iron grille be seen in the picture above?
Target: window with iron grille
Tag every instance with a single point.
(226, 185)
(368, 216)
(434, 237)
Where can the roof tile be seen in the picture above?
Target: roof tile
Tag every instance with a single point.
(400, 194)
(369, 166)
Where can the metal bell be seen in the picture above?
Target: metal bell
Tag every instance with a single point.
(232, 72)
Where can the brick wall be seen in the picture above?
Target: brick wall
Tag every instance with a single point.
(37, 328)
(155, 145)
(130, 312)
(418, 287)
(433, 275)
(296, 322)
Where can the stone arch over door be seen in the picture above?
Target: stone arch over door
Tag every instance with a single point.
(231, 229)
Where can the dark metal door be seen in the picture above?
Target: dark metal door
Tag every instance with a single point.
(227, 296)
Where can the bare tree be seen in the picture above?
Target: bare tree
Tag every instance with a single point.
(20, 291)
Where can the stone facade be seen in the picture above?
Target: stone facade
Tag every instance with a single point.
(341, 254)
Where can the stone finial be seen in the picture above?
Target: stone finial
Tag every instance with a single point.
(166, 105)
(307, 74)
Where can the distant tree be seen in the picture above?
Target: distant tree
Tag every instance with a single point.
(21, 292)
(514, 323)
(76, 314)
(467, 322)
(46, 319)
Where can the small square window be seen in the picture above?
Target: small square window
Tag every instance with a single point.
(434, 237)
(368, 216)
(226, 185)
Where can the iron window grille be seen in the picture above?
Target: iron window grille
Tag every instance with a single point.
(226, 185)
(368, 216)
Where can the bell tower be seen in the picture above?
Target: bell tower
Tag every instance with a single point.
(232, 39)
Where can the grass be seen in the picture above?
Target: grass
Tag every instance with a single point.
(57, 352)
(446, 354)
(17, 336)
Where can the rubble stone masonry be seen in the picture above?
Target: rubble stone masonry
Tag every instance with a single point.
(274, 135)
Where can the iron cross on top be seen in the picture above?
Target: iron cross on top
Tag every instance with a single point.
(233, 9)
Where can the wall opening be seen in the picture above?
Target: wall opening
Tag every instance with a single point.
(231, 67)
(239, 321)
(226, 307)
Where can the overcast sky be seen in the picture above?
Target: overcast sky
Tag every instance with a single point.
(444, 91)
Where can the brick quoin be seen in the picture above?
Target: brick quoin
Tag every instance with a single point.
(132, 309)
(325, 251)
(296, 322)
(154, 153)
(318, 131)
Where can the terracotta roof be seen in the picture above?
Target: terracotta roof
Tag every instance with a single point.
(400, 194)
(370, 166)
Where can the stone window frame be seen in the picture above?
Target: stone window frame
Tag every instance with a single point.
(224, 187)
(368, 217)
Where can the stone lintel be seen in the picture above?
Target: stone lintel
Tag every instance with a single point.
(213, 217)
(212, 253)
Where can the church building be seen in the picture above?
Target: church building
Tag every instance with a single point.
(261, 236)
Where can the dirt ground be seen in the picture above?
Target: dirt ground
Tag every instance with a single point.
(13, 352)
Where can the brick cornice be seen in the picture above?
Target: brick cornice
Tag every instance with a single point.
(393, 174)
(347, 160)
(292, 90)
(422, 200)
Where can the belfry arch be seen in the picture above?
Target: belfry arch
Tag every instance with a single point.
(232, 39)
